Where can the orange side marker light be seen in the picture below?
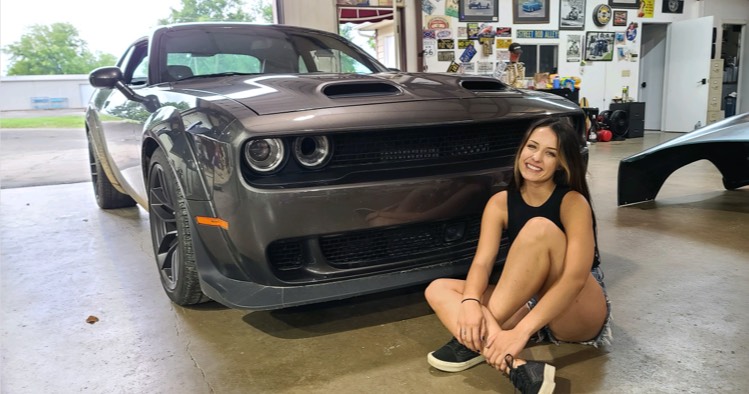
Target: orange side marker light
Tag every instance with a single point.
(208, 221)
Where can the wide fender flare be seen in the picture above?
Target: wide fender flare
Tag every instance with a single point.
(166, 130)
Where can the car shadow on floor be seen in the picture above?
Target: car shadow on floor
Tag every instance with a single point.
(342, 315)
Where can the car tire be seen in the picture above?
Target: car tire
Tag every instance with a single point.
(107, 197)
(171, 235)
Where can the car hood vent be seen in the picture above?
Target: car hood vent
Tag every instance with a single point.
(359, 89)
(483, 85)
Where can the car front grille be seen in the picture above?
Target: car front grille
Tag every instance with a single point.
(380, 248)
(361, 156)
(428, 146)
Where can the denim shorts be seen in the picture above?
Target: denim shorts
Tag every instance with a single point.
(604, 336)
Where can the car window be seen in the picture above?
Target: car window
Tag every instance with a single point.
(140, 72)
(215, 64)
(258, 50)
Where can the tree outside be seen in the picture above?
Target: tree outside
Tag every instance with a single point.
(53, 49)
(58, 49)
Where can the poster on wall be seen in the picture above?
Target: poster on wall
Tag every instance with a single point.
(571, 14)
(673, 6)
(624, 3)
(647, 7)
(451, 8)
(599, 46)
(478, 11)
(530, 11)
(620, 18)
(574, 47)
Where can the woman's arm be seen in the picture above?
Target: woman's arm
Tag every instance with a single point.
(471, 318)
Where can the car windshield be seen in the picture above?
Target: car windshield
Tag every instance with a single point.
(224, 50)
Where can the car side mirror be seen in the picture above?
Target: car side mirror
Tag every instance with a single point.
(111, 78)
(105, 77)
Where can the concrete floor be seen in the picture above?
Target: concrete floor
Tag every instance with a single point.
(676, 270)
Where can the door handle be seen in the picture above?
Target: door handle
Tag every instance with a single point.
(703, 81)
(644, 85)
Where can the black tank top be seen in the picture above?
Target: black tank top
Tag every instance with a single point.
(518, 213)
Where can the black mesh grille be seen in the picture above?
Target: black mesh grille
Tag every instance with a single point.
(371, 248)
(382, 246)
(432, 145)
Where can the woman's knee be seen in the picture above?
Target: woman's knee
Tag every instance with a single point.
(540, 228)
(438, 289)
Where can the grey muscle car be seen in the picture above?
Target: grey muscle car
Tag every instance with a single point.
(282, 165)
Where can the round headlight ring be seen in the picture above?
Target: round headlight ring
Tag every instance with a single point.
(312, 151)
(264, 155)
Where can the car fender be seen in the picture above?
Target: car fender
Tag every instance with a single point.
(94, 131)
(166, 130)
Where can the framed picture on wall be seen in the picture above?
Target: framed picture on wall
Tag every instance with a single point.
(599, 46)
(624, 3)
(530, 11)
(571, 14)
(478, 11)
(620, 18)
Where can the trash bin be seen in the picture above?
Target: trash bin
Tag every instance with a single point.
(729, 105)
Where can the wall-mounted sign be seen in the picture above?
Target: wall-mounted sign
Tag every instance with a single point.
(537, 33)
(601, 15)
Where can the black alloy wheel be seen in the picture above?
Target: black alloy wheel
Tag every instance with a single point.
(107, 197)
(170, 234)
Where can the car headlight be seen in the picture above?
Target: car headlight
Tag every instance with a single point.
(312, 151)
(264, 155)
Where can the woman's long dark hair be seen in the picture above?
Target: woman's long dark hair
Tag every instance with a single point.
(572, 171)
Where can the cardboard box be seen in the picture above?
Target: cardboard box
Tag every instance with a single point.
(716, 69)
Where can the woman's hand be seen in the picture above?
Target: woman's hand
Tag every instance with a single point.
(471, 325)
(500, 343)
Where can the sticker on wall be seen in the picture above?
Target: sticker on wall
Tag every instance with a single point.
(602, 15)
(444, 34)
(486, 31)
(451, 8)
(445, 44)
(620, 18)
(429, 35)
(427, 7)
(503, 43)
(631, 31)
(484, 67)
(468, 54)
(462, 31)
(430, 48)
(446, 56)
(504, 32)
(620, 37)
(437, 22)
(473, 30)
(487, 45)
(464, 43)
(453, 67)
(468, 67)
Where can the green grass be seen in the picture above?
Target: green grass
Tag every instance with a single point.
(43, 122)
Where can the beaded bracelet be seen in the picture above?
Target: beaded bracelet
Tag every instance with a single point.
(470, 299)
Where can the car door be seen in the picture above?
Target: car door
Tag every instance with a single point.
(123, 119)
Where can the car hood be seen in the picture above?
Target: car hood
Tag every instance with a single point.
(274, 94)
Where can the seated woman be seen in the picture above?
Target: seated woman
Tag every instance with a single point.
(551, 284)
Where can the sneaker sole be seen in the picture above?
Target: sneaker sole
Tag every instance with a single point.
(455, 367)
(547, 387)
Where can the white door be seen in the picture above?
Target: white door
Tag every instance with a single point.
(652, 70)
(688, 53)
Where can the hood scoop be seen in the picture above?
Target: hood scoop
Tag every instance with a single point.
(360, 89)
(486, 85)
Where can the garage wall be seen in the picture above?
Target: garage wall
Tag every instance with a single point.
(44, 92)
